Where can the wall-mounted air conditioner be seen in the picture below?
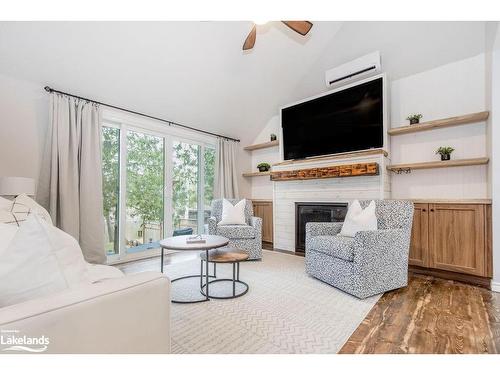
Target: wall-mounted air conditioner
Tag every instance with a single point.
(354, 70)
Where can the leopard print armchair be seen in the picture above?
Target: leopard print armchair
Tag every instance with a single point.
(370, 263)
(245, 237)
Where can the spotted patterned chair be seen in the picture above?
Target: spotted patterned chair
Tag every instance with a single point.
(370, 263)
(245, 237)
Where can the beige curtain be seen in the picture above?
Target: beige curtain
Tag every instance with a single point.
(70, 184)
(226, 179)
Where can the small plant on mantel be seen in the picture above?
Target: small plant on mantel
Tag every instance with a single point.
(415, 118)
(263, 167)
(445, 152)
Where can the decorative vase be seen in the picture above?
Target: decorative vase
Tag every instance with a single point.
(263, 169)
(414, 121)
(445, 157)
(273, 137)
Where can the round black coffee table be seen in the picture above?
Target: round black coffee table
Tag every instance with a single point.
(229, 255)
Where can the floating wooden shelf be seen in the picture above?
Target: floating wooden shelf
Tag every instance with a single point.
(255, 174)
(258, 146)
(442, 123)
(343, 155)
(349, 170)
(399, 168)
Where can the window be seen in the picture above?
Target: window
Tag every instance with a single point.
(154, 183)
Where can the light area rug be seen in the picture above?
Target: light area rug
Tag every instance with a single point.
(284, 311)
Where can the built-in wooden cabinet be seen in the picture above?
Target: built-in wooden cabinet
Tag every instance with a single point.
(419, 248)
(264, 210)
(457, 238)
(451, 237)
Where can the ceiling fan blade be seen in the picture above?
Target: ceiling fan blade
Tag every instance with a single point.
(301, 27)
(250, 40)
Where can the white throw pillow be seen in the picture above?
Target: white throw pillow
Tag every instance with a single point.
(15, 212)
(5, 204)
(69, 256)
(7, 217)
(22, 202)
(7, 233)
(29, 268)
(233, 215)
(65, 247)
(358, 219)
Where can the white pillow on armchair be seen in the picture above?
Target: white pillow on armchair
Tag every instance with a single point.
(233, 215)
(359, 219)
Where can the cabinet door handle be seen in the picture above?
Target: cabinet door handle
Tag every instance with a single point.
(424, 210)
(432, 209)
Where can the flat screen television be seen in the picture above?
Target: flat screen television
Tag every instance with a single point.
(350, 119)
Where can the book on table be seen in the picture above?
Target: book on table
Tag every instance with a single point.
(195, 239)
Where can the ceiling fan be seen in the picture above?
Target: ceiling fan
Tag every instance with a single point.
(301, 27)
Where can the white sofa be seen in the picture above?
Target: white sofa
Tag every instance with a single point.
(101, 310)
(124, 314)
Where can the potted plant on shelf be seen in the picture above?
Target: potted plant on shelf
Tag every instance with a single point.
(415, 118)
(263, 167)
(445, 152)
(273, 137)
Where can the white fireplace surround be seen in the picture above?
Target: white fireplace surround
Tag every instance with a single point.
(341, 189)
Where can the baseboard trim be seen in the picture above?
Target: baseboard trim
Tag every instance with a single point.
(469, 279)
(495, 287)
(290, 252)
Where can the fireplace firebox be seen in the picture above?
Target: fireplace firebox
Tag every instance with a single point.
(306, 212)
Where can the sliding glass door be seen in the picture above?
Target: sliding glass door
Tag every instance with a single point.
(154, 185)
(208, 179)
(185, 187)
(145, 191)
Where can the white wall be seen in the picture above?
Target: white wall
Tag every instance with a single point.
(243, 165)
(449, 90)
(262, 187)
(494, 102)
(23, 124)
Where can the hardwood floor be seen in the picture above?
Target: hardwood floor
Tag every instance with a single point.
(431, 315)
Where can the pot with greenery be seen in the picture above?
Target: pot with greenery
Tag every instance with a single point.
(445, 152)
(415, 118)
(273, 137)
(263, 167)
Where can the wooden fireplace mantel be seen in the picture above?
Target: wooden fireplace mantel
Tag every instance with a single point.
(347, 170)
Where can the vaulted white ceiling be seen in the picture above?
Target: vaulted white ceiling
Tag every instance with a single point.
(196, 73)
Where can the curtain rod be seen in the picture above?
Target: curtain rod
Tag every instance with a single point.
(49, 89)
